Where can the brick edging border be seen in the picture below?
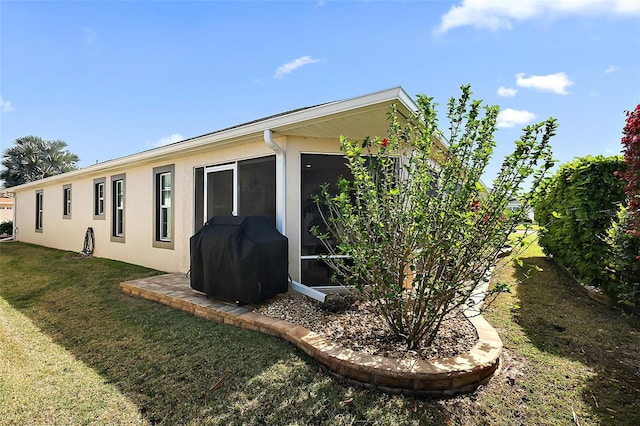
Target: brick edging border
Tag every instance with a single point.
(441, 376)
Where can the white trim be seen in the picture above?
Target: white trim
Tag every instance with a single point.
(118, 201)
(281, 180)
(224, 167)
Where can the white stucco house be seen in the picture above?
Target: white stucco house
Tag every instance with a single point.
(144, 207)
(515, 205)
(6, 207)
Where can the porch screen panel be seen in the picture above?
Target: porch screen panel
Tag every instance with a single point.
(317, 169)
(257, 182)
(220, 193)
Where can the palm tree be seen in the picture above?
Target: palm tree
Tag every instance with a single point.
(33, 158)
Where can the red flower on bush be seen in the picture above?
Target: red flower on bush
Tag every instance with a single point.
(631, 151)
(385, 141)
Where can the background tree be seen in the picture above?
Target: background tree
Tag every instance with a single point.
(420, 230)
(32, 158)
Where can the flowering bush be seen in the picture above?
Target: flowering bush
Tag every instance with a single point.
(631, 151)
(418, 226)
(624, 237)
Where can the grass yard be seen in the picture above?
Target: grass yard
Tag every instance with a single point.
(75, 350)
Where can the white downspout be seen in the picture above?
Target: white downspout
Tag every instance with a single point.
(280, 180)
(281, 207)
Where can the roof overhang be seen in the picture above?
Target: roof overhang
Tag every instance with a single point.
(354, 118)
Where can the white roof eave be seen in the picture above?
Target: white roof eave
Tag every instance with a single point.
(234, 134)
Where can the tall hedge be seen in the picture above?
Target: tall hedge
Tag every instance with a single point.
(574, 209)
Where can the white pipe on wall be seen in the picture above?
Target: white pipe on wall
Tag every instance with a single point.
(308, 291)
(280, 180)
(281, 207)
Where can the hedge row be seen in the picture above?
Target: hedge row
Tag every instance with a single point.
(575, 210)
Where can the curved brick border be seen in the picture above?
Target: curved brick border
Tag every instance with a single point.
(443, 376)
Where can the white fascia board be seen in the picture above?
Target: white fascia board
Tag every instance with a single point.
(233, 134)
(385, 96)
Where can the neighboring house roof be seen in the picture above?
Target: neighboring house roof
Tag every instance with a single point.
(355, 118)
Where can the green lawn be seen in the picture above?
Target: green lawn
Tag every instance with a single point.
(75, 350)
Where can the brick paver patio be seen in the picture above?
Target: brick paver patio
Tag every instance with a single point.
(443, 376)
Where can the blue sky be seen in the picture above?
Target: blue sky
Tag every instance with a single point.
(118, 77)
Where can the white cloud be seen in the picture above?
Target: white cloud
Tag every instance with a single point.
(512, 117)
(500, 14)
(5, 105)
(612, 68)
(89, 35)
(507, 92)
(166, 140)
(556, 83)
(294, 65)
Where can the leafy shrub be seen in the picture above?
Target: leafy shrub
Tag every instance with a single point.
(625, 260)
(6, 227)
(574, 209)
(418, 227)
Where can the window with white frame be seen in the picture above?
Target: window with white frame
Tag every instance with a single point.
(66, 201)
(164, 206)
(118, 205)
(98, 198)
(39, 210)
(163, 201)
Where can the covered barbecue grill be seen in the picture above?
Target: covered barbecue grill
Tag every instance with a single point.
(239, 259)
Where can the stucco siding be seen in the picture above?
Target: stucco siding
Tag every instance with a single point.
(137, 248)
(313, 130)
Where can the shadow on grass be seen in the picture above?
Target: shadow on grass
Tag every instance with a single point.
(559, 318)
(182, 369)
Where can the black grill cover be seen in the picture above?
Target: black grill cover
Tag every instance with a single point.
(239, 259)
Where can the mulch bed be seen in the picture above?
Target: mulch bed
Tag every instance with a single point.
(350, 322)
